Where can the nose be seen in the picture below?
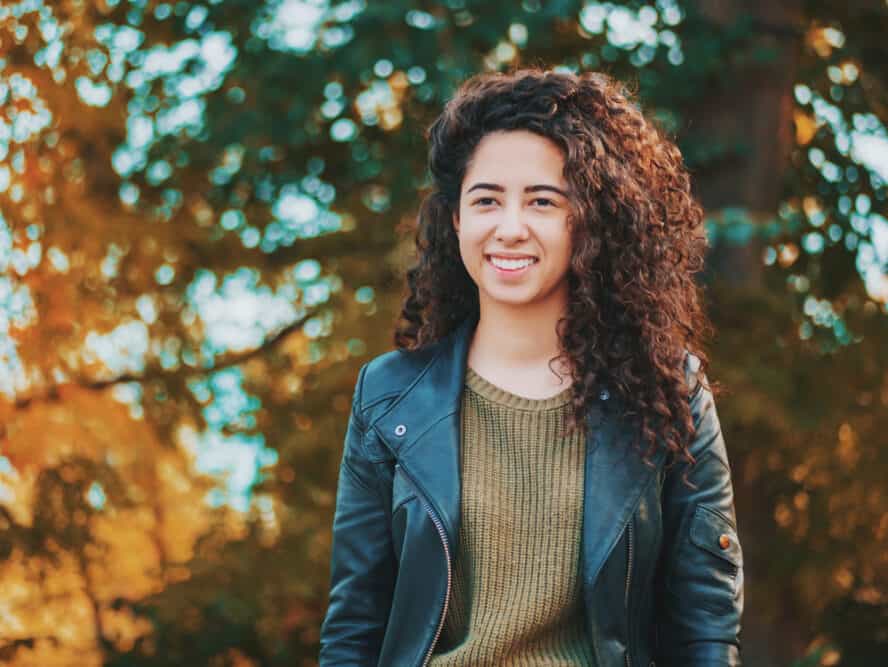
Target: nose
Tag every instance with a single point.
(511, 227)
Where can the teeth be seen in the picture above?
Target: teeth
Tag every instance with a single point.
(510, 264)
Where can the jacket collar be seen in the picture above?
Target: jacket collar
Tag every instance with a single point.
(422, 429)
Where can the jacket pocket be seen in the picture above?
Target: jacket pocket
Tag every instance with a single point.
(711, 531)
(708, 570)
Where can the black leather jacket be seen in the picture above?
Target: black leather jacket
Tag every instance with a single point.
(662, 567)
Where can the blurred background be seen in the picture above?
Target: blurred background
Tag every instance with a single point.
(199, 246)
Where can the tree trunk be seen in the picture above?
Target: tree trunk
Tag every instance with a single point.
(749, 106)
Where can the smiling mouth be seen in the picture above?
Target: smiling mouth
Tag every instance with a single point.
(511, 263)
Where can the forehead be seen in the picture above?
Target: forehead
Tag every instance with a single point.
(516, 158)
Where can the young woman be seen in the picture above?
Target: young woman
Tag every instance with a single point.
(537, 475)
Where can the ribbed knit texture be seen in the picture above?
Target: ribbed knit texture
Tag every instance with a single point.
(516, 592)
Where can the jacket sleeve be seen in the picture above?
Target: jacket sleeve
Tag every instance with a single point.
(362, 569)
(700, 577)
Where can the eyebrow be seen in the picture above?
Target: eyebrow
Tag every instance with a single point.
(529, 188)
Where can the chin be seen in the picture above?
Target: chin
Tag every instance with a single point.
(513, 299)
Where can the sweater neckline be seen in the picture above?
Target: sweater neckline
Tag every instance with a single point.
(496, 394)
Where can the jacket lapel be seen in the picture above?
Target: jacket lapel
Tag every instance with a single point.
(422, 429)
(615, 480)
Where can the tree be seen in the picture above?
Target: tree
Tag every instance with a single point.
(200, 204)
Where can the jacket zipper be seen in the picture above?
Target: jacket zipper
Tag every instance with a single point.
(443, 535)
(626, 597)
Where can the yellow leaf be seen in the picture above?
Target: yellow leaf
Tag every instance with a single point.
(805, 127)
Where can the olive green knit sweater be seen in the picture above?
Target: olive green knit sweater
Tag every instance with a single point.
(516, 591)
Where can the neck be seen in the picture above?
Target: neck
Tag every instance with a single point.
(516, 336)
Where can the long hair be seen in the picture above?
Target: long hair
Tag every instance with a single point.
(637, 234)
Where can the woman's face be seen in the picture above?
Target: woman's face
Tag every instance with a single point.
(513, 220)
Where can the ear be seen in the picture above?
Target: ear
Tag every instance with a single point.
(456, 221)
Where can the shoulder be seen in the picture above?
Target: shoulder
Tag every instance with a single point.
(389, 374)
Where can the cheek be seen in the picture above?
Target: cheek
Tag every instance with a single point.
(561, 246)
(470, 238)
(467, 249)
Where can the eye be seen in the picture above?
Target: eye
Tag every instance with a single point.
(485, 201)
(547, 202)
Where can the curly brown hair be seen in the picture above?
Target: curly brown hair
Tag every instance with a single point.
(637, 233)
